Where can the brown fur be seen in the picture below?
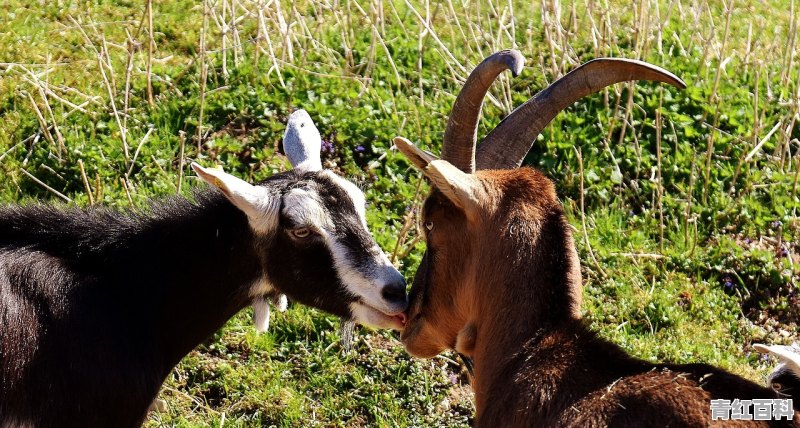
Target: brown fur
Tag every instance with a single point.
(502, 284)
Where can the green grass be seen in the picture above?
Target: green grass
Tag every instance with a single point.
(692, 268)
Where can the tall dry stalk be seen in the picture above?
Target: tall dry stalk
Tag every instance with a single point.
(203, 75)
(715, 100)
(150, 48)
(85, 181)
(182, 137)
(659, 177)
(581, 189)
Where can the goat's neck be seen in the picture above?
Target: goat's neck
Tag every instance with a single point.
(534, 293)
(195, 272)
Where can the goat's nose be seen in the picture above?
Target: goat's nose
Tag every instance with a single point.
(395, 293)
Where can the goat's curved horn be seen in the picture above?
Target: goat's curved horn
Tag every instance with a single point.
(507, 145)
(458, 146)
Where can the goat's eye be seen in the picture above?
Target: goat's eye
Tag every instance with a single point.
(429, 225)
(301, 232)
(776, 386)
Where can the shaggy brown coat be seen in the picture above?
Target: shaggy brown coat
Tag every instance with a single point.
(501, 284)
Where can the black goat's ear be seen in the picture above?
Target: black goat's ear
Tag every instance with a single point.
(260, 205)
(302, 142)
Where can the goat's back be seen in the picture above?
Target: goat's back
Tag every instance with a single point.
(570, 377)
(676, 396)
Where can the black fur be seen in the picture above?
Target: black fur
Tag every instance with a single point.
(97, 307)
(787, 384)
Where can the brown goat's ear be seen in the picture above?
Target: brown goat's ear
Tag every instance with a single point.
(462, 189)
(420, 158)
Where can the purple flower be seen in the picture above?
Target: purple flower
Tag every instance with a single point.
(360, 148)
(728, 283)
(776, 224)
(747, 240)
(327, 146)
(453, 378)
(784, 252)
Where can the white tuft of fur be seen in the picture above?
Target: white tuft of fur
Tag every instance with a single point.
(281, 302)
(261, 313)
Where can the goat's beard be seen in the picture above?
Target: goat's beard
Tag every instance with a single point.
(346, 334)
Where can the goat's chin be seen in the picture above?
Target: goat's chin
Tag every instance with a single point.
(371, 317)
(417, 346)
(422, 351)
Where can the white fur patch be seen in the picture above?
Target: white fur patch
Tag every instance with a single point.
(261, 314)
(356, 195)
(280, 302)
(371, 317)
(304, 208)
(368, 288)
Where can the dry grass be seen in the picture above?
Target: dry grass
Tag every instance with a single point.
(106, 104)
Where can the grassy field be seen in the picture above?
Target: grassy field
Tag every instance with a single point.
(688, 227)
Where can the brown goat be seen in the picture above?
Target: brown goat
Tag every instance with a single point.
(500, 281)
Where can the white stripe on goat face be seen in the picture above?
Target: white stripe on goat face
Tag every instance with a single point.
(369, 288)
(305, 209)
(363, 273)
(357, 196)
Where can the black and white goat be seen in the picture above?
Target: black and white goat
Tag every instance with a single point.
(97, 306)
(785, 379)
